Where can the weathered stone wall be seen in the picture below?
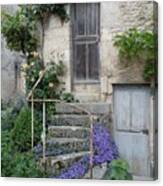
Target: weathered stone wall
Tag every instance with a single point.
(115, 17)
(57, 45)
(11, 81)
(119, 17)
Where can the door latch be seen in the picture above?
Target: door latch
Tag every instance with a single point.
(145, 131)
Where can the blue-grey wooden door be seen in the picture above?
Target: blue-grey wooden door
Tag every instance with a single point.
(131, 109)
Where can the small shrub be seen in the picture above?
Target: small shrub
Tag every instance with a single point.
(7, 119)
(14, 163)
(25, 166)
(19, 164)
(6, 154)
(118, 170)
(21, 133)
(18, 32)
(10, 111)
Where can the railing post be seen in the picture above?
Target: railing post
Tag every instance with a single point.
(32, 123)
(91, 148)
(44, 130)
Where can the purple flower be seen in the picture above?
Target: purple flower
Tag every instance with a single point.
(105, 150)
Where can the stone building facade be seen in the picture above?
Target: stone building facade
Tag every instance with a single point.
(115, 17)
(133, 113)
(123, 89)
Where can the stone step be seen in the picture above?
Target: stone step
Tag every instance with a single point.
(69, 120)
(60, 146)
(98, 172)
(78, 108)
(64, 157)
(68, 132)
(54, 164)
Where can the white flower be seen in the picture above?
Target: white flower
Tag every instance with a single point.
(35, 54)
(32, 79)
(51, 85)
(40, 73)
(25, 66)
(32, 64)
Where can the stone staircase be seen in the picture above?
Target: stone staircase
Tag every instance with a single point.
(68, 135)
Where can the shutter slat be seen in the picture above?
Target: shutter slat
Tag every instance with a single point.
(80, 63)
(80, 19)
(93, 61)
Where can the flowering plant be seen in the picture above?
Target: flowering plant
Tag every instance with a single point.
(105, 150)
(48, 86)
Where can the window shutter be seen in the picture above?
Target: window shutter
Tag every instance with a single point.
(85, 35)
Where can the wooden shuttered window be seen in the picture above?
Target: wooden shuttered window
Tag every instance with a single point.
(85, 37)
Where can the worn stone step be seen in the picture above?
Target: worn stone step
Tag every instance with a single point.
(67, 144)
(98, 172)
(78, 108)
(60, 146)
(69, 120)
(68, 132)
(64, 157)
(54, 164)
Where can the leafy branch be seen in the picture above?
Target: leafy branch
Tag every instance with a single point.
(138, 46)
(20, 29)
(21, 33)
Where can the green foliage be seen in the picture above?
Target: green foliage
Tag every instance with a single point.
(15, 132)
(118, 170)
(24, 165)
(6, 153)
(15, 164)
(20, 29)
(135, 46)
(21, 133)
(7, 119)
(19, 32)
(49, 85)
(9, 112)
(42, 11)
(149, 70)
(67, 97)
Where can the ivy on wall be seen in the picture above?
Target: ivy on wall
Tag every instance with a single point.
(138, 46)
(42, 11)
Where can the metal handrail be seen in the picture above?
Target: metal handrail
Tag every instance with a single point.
(35, 85)
(44, 101)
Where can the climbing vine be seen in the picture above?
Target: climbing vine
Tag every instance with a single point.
(20, 29)
(43, 11)
(137, 46)
(21, 33)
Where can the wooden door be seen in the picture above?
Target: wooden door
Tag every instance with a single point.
(131, 108)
